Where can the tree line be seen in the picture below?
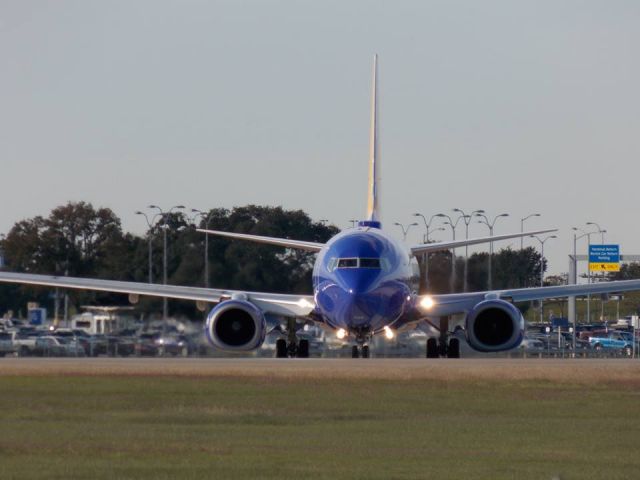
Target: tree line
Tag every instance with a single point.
(80, 240)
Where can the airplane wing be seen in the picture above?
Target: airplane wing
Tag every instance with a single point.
(449, 304)
(276, 303)
(281, 242)
(438, 246)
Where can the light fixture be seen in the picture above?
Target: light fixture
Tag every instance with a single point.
(427, 302)
(388, 333)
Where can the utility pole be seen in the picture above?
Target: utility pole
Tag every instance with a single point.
(490, 224)
(522, 220)
(165, 216)
(542, 242)
(467, 220)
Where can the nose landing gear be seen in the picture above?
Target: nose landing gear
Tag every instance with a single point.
(362, 347)
(357, 351)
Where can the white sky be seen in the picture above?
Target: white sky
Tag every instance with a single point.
(507, 106)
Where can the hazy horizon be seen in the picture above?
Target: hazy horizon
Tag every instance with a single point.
(501, 106)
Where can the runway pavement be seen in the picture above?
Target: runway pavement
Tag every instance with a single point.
(582, 371)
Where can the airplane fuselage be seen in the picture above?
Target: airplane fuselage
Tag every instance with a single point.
(364, 280)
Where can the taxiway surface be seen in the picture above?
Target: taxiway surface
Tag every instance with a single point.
(583, 371)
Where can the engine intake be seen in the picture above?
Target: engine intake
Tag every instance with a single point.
(494, 326)
(236, 325)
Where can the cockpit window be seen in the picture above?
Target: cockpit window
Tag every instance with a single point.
(369, 263)
(354, 263)
(348, 263)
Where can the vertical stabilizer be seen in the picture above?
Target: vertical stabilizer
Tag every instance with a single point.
(373, 206)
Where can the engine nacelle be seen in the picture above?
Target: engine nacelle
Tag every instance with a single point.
(494, 326)
(236, 325)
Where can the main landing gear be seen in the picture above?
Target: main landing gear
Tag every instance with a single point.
(292, 347)
(293, 350)
(437, 349)
(444, 346)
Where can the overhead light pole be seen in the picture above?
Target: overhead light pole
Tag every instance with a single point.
(467, 220)
(207, 217)
(150, 239)
(577, 237)
(425, 239)
(453, 226)
(522, 220)
(164, 216)
(405, 230)
(542, 242)
(490, 224)
(600, 230)
(589, 269)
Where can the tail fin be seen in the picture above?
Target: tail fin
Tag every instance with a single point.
(373, 205)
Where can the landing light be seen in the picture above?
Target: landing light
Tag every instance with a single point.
(427, 303)
(389, 333)
(341, 333)
(304, 303)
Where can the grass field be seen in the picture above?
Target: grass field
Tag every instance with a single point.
(413, 420)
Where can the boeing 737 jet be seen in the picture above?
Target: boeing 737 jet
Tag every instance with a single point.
(364, 284)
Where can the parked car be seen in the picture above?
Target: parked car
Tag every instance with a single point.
(613, 340)
(148, 344)
(120, 345)
(531, 344)
(175, 345)
(52, 346)
(16, 343)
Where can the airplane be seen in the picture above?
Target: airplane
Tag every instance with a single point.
(364, 284)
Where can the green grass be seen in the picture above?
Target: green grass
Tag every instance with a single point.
(174, 427)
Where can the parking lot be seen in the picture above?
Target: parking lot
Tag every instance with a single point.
(178, 340)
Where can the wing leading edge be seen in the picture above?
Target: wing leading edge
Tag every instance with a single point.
(281, 242)
(439, 246)
(449, 304)
(276, 303)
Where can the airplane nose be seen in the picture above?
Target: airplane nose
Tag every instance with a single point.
(357, 282)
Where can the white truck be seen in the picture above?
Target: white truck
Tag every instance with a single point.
(12, 343)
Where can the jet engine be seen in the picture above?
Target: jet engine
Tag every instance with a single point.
(494, 325)
(236, 325)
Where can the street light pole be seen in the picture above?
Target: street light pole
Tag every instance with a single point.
(542, 242)
(522, 220)
(575, 272)
(601, 232)
(453, 225)
(405, 231)
(467, 220)
(206, 244)
(425, 256)
(164, 215)
(150, 240)
(489, 224)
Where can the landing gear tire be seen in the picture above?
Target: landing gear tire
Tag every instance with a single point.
(281, 348)
(432, 348)
(365, 351)
(355, 353)
(454, 348)
(303, 349)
